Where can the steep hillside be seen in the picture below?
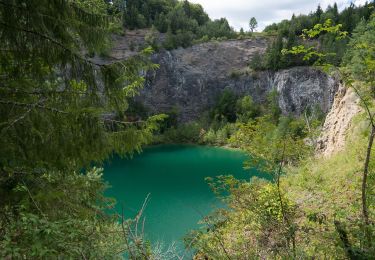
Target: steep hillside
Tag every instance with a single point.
(338, 122)
(191, 80)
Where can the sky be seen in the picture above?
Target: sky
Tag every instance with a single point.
(239, 12)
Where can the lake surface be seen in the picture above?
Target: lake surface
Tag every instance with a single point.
(174, 176)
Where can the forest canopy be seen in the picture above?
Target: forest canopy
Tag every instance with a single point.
(287, 34)
(182, 21)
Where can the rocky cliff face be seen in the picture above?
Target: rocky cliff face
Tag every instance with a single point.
(338, 122)
(190, 80)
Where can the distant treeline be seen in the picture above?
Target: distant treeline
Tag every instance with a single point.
(187, 23)
(287, 34)
(184, 22)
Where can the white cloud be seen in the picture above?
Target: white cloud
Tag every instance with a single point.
(239, 12)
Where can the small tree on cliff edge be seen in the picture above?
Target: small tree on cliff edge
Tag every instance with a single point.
(253, 24)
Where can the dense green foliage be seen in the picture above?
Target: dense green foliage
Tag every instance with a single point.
(183, 22)
(316, 207)
(359, 60)
(261, 221)
(59, 113)
(315, 193)
(288, 32)
(227, 117)
(57, 215)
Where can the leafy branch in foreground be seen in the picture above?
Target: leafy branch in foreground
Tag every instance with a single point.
(358, 72)
(261, 220)
(309, 53)
(271, 147)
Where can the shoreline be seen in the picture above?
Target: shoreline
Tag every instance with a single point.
(226, 147)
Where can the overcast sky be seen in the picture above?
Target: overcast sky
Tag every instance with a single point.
(239, 12)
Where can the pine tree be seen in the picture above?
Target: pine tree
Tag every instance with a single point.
(318, 14)
(335, 12)
(347, 18)
(60, 111)
(291, 42)
(274, 58)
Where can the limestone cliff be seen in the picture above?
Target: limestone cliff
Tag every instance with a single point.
(191, 79)
(338, 122)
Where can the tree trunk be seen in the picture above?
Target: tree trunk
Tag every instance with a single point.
(283, 212)
(365, 214)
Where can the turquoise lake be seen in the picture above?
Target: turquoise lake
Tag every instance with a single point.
(174, 176)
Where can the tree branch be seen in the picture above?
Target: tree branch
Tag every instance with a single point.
(20, 104)
(124, 122)
(371, 116)
(55, 42)
(32, 199)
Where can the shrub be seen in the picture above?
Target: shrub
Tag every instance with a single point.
(257, 62)
(209, 137)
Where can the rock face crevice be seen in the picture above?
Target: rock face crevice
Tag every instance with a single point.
(190, 80)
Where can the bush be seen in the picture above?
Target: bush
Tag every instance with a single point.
(257, 62)
(151, 38)
(235, 74)
(225, 107)
(222, 136)
(205, 38)
(219, 137)
(209, 137)
(247, 109)
(185, 133)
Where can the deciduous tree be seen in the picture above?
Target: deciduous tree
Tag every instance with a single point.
(253, 24)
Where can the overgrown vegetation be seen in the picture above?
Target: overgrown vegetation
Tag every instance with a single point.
(288, 31)
(315, 207)
(229, 115)
(60, 112)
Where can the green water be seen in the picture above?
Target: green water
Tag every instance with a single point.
(174, 175)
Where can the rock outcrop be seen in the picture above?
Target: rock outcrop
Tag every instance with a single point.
(190, 80)
(338, 122)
